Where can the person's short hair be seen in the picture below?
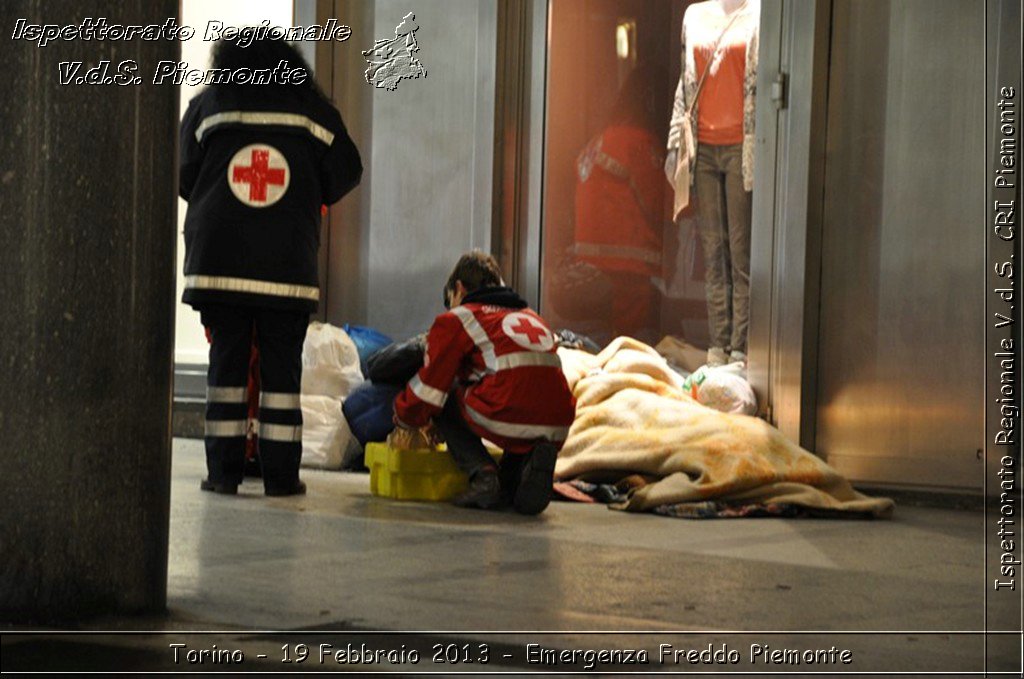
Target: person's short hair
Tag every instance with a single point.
(476, 269)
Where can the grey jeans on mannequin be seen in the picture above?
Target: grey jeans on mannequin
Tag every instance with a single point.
(724, 211)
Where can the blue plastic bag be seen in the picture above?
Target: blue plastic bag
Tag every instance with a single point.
(369, 409)
(367, 341)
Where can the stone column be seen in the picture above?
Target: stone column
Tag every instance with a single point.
(87, 238)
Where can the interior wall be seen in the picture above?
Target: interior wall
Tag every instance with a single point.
(426, 193)
(901, 363)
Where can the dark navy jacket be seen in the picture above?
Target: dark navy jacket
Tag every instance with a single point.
(257, 163)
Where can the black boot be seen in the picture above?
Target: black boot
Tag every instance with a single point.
(297, 488)
(484, 491)
(219, 488)
(534, 492)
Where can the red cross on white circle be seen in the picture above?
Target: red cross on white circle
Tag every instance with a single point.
(527, 332)
(258, 175)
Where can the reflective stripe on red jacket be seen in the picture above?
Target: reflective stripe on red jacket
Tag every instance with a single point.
(619, 194)
(500, 363)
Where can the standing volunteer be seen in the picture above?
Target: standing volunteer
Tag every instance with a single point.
(257, 163)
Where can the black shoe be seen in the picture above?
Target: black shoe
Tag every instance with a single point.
(221, 488)
(298, 488)
(534, 492)
(484, 492)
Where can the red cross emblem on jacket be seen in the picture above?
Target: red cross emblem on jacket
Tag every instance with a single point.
(527, 333)
(258, 175)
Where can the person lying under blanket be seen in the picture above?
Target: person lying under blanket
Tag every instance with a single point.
(634, 418)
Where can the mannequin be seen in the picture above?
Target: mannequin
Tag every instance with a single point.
(719, 40)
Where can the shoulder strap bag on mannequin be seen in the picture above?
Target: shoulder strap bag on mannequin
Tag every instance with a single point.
(687, 144)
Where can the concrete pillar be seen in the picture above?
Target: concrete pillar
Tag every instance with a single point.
(87, 237)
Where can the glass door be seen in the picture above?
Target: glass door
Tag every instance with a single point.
(612, 71)
(613, 260)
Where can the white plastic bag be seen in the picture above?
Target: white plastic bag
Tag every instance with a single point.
(726, 391)
(692, 383)
(330, 362)
(326, 436)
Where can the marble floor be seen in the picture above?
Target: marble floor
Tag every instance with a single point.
(339, 567)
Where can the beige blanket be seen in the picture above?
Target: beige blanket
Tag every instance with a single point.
(633, 417)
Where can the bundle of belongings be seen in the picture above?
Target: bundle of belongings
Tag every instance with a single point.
(642, 443)
(369, 409)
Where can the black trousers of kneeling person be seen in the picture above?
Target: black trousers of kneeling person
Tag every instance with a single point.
(470, 454)
(279, 336)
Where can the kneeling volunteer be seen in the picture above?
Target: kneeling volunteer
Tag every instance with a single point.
(491, 372)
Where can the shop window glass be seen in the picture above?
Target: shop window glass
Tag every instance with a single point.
(613, 259)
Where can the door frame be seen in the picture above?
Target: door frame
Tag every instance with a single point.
(788, 206)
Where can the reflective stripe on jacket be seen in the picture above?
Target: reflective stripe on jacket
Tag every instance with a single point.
(619, 201)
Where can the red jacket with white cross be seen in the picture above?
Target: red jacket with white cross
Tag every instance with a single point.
(498, 358)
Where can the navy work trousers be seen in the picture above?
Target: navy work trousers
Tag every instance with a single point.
(279, 336)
